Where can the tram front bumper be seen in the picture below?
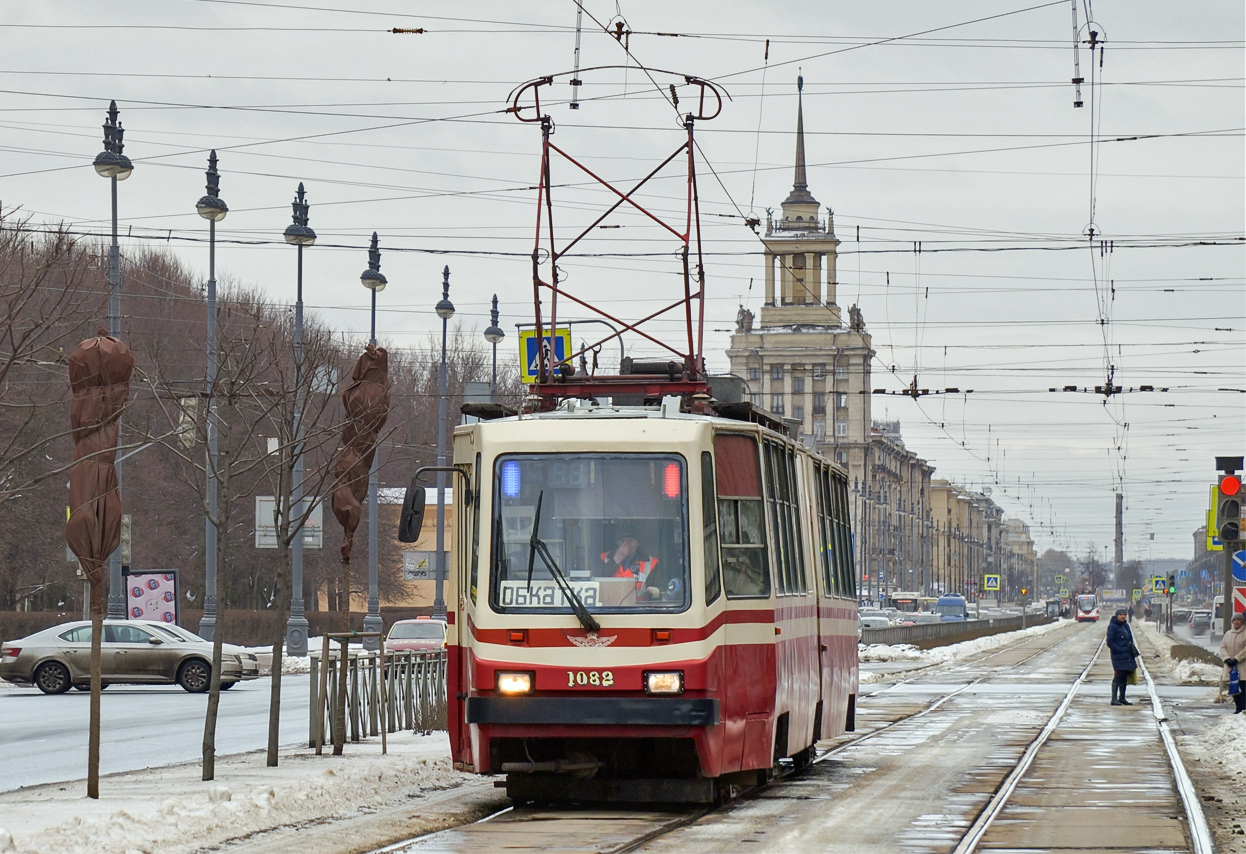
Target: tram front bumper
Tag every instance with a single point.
(594, 711)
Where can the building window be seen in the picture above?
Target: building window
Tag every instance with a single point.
(798, 385)
(841, 400)
(798, 412)
(776, 372)
(754, 373)
(819, 429)
(819, 371)
(819, 403)
(842, 457)
(755, 399)
(841, 428)
(841, 372)
(776, 404)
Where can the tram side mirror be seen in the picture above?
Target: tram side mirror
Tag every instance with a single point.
(412, 513)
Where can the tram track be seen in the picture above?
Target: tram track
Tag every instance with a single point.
(664, 824)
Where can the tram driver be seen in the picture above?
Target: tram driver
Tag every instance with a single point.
(630, 560)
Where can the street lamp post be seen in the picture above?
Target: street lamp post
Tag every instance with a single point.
(213, 209)
(494, 336)
(115, 166)
(445, 310)
(375, 281)
(298, 234)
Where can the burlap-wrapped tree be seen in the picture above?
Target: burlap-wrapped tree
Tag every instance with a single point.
(99, 374)
(366, 401)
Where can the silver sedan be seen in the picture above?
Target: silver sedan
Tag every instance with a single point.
(250, 662)
(56, 659)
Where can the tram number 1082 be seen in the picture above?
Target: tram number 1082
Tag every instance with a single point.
(594, 678)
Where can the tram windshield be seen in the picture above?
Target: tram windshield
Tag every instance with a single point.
(1086, 602)
(613, 529)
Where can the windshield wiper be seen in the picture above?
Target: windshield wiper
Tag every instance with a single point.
(536, 546)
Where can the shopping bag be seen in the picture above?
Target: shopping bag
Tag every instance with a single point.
(1235, 682)
(1133, 678)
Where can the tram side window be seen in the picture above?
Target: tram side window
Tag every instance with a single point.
(784, 519)
(741, 523)
(846, 564)
(827, 545)
(709, 524)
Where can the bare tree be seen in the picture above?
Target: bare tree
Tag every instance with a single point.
(1094, 572)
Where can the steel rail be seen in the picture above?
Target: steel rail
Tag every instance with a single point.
(1200, 833)
(969, 842)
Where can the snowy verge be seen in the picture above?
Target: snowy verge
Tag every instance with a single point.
(1214, 759)
(171, 811)
(1185, 672)
(908, 655)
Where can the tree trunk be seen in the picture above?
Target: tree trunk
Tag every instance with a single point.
(281, 602)
(93, 739)
(214, 695)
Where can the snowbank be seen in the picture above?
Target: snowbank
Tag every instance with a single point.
(1214, 759)
(909, 655)
(170, 811)
(1185, 672)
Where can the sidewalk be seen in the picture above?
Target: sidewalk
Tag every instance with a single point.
(171, 811)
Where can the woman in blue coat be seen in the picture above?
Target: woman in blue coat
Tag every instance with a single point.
(1121, 643)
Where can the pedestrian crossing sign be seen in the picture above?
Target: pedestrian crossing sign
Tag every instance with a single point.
(530, 354)
(1064, 593)
(990, 582)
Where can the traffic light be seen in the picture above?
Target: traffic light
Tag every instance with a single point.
(1172, 585)
(1024, 591)
(1229, 508)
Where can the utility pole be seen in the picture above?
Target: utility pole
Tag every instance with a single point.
(1119, 555)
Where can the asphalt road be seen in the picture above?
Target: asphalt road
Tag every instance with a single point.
(43, 739)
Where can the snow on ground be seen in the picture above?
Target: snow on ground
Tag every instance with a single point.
(170, 810)
(909, 655)
(1216, 760)
(1185, 672)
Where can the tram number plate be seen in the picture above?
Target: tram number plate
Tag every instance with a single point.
(593, 678)
(545, 594)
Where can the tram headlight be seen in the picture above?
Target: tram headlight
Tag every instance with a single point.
(664, 682)
(511, 683)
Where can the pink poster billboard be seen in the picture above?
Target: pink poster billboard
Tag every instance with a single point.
(152, 595)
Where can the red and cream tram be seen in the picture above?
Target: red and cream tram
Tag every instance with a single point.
(1087, 608)
(648, 602)
(645, 604)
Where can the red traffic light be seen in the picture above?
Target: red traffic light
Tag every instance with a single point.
(1230, 485)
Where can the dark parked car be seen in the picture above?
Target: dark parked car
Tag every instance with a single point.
(1200, 621)
(57, 659)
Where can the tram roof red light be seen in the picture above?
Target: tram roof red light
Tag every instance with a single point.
(670, 480)
(1230, 485)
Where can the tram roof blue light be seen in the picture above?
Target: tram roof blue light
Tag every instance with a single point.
(510, 479)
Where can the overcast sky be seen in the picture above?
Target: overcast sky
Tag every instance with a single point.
(948, 124)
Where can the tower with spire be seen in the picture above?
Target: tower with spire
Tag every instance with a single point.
(800, 251)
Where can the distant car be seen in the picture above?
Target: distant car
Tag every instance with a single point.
(57, 659)
(1200, 621)
(248, 660)
(1181, 615)
(873, 622)
(419, 634)
(925, 617)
